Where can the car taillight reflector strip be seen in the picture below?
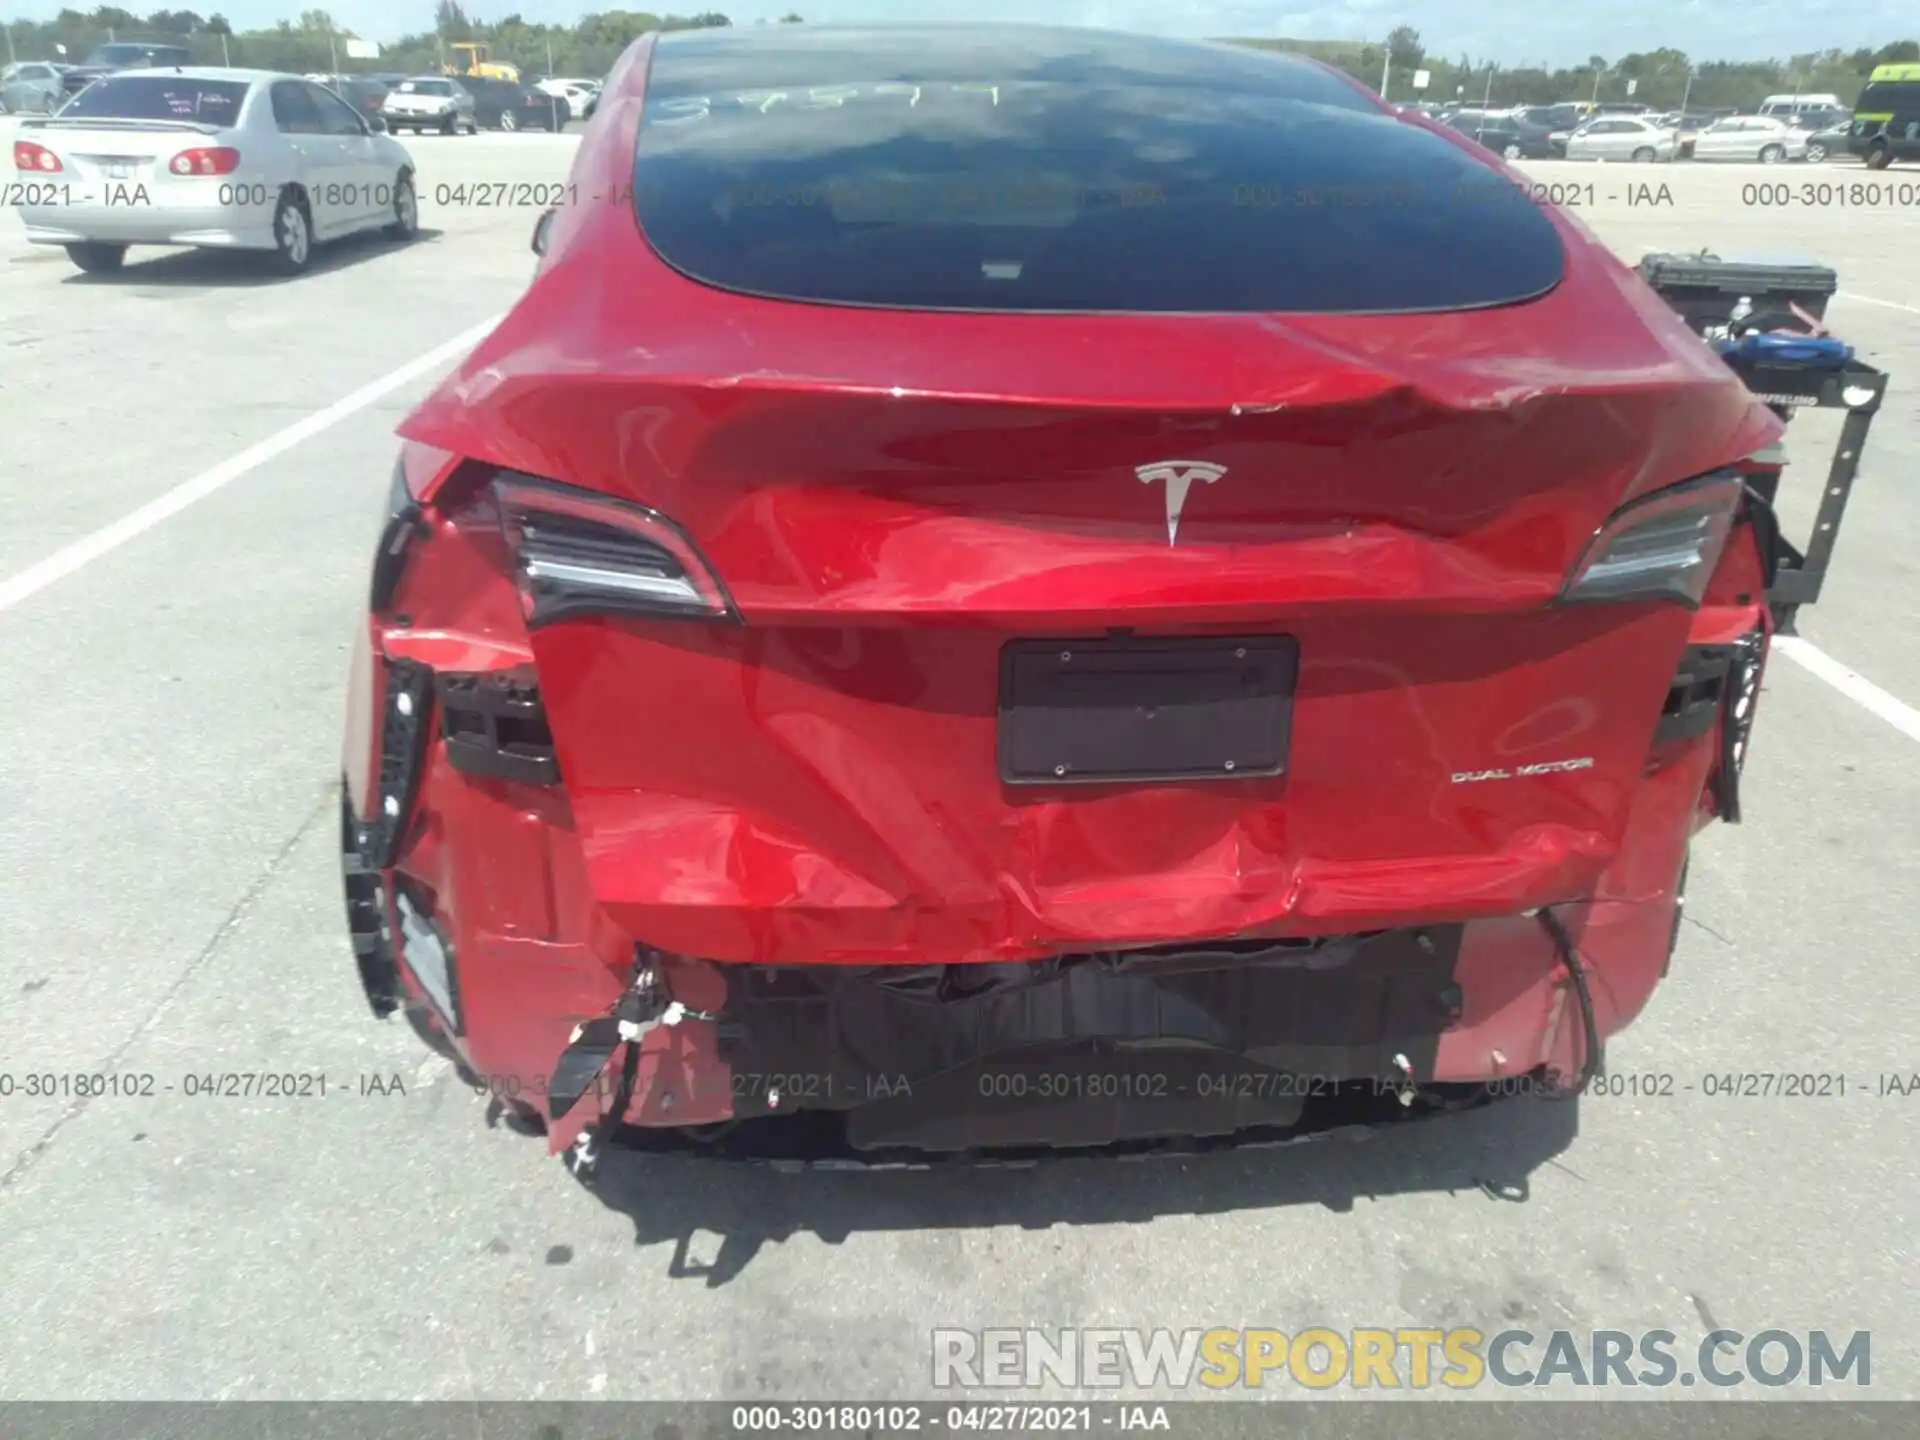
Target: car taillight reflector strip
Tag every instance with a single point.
(210, 160)
(403, 736)
(1663, 546)
(577, 552)
(496, 726)
(29, 156)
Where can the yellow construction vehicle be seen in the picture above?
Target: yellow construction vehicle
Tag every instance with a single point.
(475, 54)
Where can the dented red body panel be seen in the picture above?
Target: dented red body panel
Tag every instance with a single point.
(892, 497)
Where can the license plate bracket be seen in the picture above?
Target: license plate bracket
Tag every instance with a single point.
(1125, 709)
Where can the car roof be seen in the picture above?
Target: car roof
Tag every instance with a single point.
(209, 72)
(1118, 52)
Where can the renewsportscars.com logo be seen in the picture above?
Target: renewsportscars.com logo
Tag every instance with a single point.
(1400, 1358)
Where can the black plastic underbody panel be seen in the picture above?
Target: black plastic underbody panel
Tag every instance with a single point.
(1090, 1050)
(496, 726)
(1694, 699)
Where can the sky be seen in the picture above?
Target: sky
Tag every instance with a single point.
(1509, 32)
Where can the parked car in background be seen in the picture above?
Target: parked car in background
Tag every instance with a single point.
(1564, 116)
(1827, 144)
(366, 96)
(32, 87)
(1823, 117)
(1622, 137)
(1886, 119)
(573, 91)
(1687, 126)
(1750, 137)
(432, 102)
(1621, 107)
(1504, 133)
(123, 55)
(510, 105)
(226, 159)
(1785, 106)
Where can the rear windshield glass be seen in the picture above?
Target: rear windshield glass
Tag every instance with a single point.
(1040, 169)
(425, 87)
(159, 97)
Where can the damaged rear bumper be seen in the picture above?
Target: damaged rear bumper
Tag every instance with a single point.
(1089, 1050)
(1174, 1049)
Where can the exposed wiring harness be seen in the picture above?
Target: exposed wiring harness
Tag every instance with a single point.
(1593, 1058)
(645, 1005)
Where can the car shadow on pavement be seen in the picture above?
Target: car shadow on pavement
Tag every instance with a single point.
(1482, 1156)
(232, 269)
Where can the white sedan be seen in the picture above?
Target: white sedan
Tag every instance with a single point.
(227, 159)
(1750, 137)
(1622, 137)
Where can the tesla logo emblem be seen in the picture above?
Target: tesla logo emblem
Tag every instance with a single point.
(1179, 476)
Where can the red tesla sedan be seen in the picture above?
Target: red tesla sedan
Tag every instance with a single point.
(1017, 586)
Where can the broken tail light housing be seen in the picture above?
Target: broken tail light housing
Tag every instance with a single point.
(1661, 547)
(577, 552)
(403, 523)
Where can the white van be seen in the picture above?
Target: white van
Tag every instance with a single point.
(1783, 105)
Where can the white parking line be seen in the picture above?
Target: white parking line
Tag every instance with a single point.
(1871, 300)
(1850, 683)
(85, 551)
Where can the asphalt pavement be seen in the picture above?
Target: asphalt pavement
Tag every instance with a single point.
(170, 907)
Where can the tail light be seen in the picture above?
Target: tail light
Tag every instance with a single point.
(211, 160)
(1661, 547)
(29, 156)
(577, 552)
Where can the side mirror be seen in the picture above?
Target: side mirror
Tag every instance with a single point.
(541, 229)
(377, 124)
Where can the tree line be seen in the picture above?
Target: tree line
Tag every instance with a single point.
(314, 42)
(1663, 79)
